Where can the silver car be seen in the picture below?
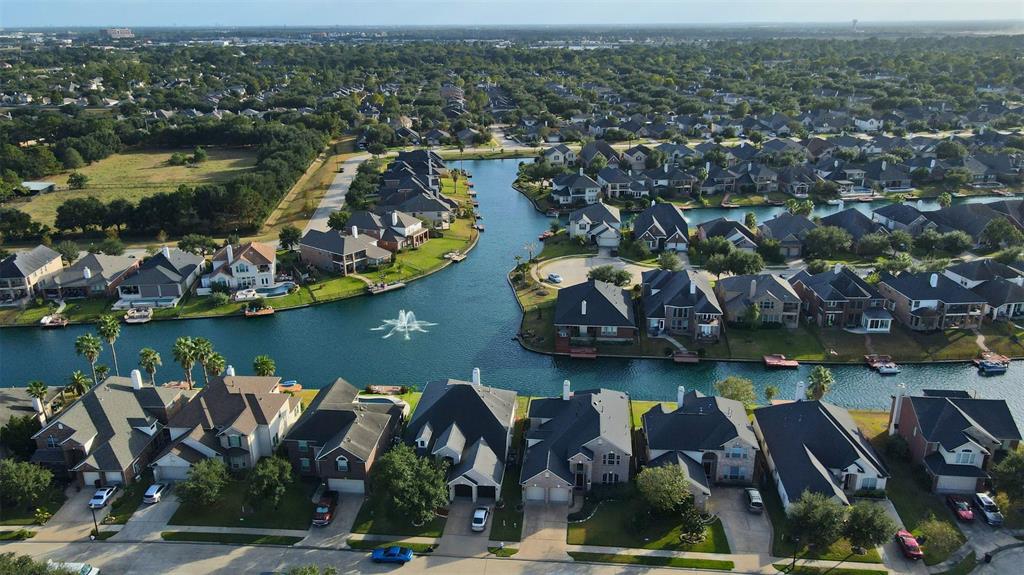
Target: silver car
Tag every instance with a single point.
(154, 493)
(754, 502)
(988, 509)
(480, 515)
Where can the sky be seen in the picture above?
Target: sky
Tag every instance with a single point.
(75, 13)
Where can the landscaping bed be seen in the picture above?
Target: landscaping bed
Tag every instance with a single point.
(678, 562)
(502, 551)
(128, 502)
(229, 538)
(17, 535)
(294, 511)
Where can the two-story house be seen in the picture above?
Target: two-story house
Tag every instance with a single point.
(789, 230)
(393, 230)
(109, 434)
(854, 221)
(161, 280)
(597, 223)
(734, 232)
(709, 437)
(338, 438)
(575, 441)
(237, 419)
(22, 273)
(662, 227)
(1001, 286)
(248, 265)
(92, 275)
(560, 155)
(953, 436)
(930, 301)
(614, 182)
(816, 447)
(577, 188)
(470, 426)
(593, 312)
(902, 217)
(840, 298)
(776, 299)
(680, 303)
(345, 253)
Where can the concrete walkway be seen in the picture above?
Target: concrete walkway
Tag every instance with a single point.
(334, 199)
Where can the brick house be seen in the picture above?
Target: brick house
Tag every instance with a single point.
(841, 298)
(593, 312)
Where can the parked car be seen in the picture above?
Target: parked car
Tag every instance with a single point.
(78, 568)
(102, 497)
(324, 513)
(555, 278)
(154, 493)
(988, 509)
(754, 502)
(480, 515)
(393, 554)
(961, 507)
(908, 545)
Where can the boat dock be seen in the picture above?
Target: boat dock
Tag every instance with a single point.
(455, 256)
(583, 352)
(377, 288)
(874, 360)
(779, 361)
(992, 357)
(685, 357)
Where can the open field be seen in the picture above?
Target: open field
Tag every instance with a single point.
(137, 174)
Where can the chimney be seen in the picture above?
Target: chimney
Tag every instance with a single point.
(707, 167)
(566, 390)
(666, 167)
(801, 391)
(231, 253)
(933, 280)
(842, 205)
(37, 405)
(476, 376)
(931, 164)
(693, 287)
(680, 395)
(166, 251)
(136, 379)
(581, 171)
(86, 272)
(838, 268)
(897, 407)
(230, 371)
(753, 288)
(884, 164)
(355, 232)
(394, 218)
(835, 164)
(583, 307)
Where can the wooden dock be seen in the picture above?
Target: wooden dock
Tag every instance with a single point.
(478, 227)
(686, 357)
(583, 352)
(382, 288)
(874, 360)
(993, 357)
(455, 256)
(779, 361)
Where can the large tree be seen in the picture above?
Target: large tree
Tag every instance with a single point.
(23, 484)
(1009, 474)
(11, 564)
(1000, 232)
(289, 237)
(198, 244)
(664, 487)
(868, 525)
(817, 520)
(264, 365)
(821, 382)
(610, 274)
(184, 352)
(88, 346)
(205, 483)
(269, 480)
(17, 434)
(739, 388)
(149, 360)
(827, 241)
(412, 486)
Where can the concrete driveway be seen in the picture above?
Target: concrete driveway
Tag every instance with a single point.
(335, 535)
(149, 520)
(459, 539)
(73, 521)
(1008, 561)
(748, 533)
(574, 270)
(892, 556)
(544, 532)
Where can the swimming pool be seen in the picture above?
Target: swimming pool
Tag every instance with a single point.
(277, 290)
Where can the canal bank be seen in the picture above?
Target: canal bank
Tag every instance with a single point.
(476, 319)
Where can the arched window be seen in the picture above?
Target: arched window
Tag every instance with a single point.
(341, 463)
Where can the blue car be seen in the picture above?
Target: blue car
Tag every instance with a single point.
(393, 554)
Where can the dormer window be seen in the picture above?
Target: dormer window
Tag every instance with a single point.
(965, 457)
(341, 463)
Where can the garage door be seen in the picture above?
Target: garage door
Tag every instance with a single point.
(559, 494)
(949, 484)
(346, 485)
(485, 492)
(91, 478)
(535, 494)
(463, 490)
(170, 472)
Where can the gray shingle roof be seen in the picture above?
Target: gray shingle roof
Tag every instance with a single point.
(171, 268)
(334, 419)
(702, 423)
(661, 220)
(832, 286)
(984, 270)
(597, 213)
(338, 243)
(945, 420)
(606, 304)
(21, 264)
(917, 286)
(787, 227)
(666, 288)
(1000, 291)
(853, 221)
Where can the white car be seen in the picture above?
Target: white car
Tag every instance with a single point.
(555, 278)
(102, 497)
(480, 515)
(988, 508)
(78, 568)
(154, 493)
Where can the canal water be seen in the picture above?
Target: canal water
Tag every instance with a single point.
(476, 315)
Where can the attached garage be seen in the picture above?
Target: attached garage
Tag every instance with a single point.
(462, 490)
(535, 493)
(170, 472)
(486, 492)
(90, 478)
(346, 485)
(954, 484)
(559, 494)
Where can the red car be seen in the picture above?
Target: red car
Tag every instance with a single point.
(324, 513)
(908, 545)
(961, 508)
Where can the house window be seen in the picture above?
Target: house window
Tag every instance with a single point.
(234, 441)
(275, 440)
(607, 478)
(735, 473)
(341, 463)
(611, 459)
(303, 445)
(767, 304)
(736, 453)
(869, 483)
(965, 457)
(51, 441)
(609, 330)
(304, 464)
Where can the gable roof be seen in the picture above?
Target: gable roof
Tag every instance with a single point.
(983, 270)
(22, 264)
(853, 221)
(596, 213)
(234, 401)
(661, 219)
(256, 253)
(736, 290)
(917, 286)
(901, 213)
(337, 243)
(677, 289)
(605, 304)
(102, 269)
(831, 285)
(700, 424)
(950, 421)
(335, 419)
(169, 266)
(724, 228)
(787, 227)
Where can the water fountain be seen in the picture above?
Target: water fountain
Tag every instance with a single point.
(405, 324)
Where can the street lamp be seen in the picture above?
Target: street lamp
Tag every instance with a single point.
(796, 548)
(96, 526)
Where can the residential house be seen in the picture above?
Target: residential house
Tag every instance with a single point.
(614, 182)
(597, 148)
(1001, 286)
(236, 419)
(636, 157)
(338, 438)
(816, 447)
(108, 435)
(710, 438)
(930, 301)
(887, 176)
(593, 312)
(92, 275)
(248, 265)
(16, 402)
(560, 155)
(954, 436)
(904, 217)
(23, 273)
(437, 137)
(789, 230)
(333, 251)
(680, 303)
(969, 218)
(775, 298)
(798, 181)
(662, 227)
(734, 232)
(393, 230)
(854, 221)
(574, 442)
(575, 188)
(470, 426)
(161, 280)
(840, 298)
(597, 223)
(756, 178)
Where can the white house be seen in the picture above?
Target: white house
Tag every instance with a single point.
(248, 265)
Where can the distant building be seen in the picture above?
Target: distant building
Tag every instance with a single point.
(118, 33)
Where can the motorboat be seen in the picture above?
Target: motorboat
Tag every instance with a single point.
(991, 367)
(889, 368)
(138, 315)
(53, 321)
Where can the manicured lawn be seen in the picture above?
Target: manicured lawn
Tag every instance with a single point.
(532, 293)
(17, 535)
(808, 570)
(611, 526)
(79, 310)
(965, 566)
(375, 518)
(782, 546)
(336, 288)
(229, 538)
(950, 344)
(799, 343)
(502, 552)
(562, 245)
(138, 174)
(121, 510)
(26, 516)
(677, 562)
(294, 511)
(507, 523)
(537, 329)
(370, 545)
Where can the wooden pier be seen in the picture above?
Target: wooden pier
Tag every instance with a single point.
(779, 361)
(377, 288)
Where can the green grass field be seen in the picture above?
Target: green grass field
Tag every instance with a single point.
(652, 561)
(229, 538)
(294, 511)
(137, 174)
(375, 518)
(611, 526)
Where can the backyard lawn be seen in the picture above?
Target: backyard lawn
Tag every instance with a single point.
(78, 310)
(294, 511)
(137, 174)
(376, 518)
(612, 526)
(799, 343)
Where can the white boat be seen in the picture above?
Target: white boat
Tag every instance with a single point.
(246, 295)
(888, 369)
(52, 321)
(138, 315)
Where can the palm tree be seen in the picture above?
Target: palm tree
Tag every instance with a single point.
(215, 364)
(37, 390)
(821, 382)
(102, 372)
(185, 354)
(149, 360)
(263, 365)
(203, 350)
(78, 384)
(89, 346)
(770, 393)
(110, 329)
